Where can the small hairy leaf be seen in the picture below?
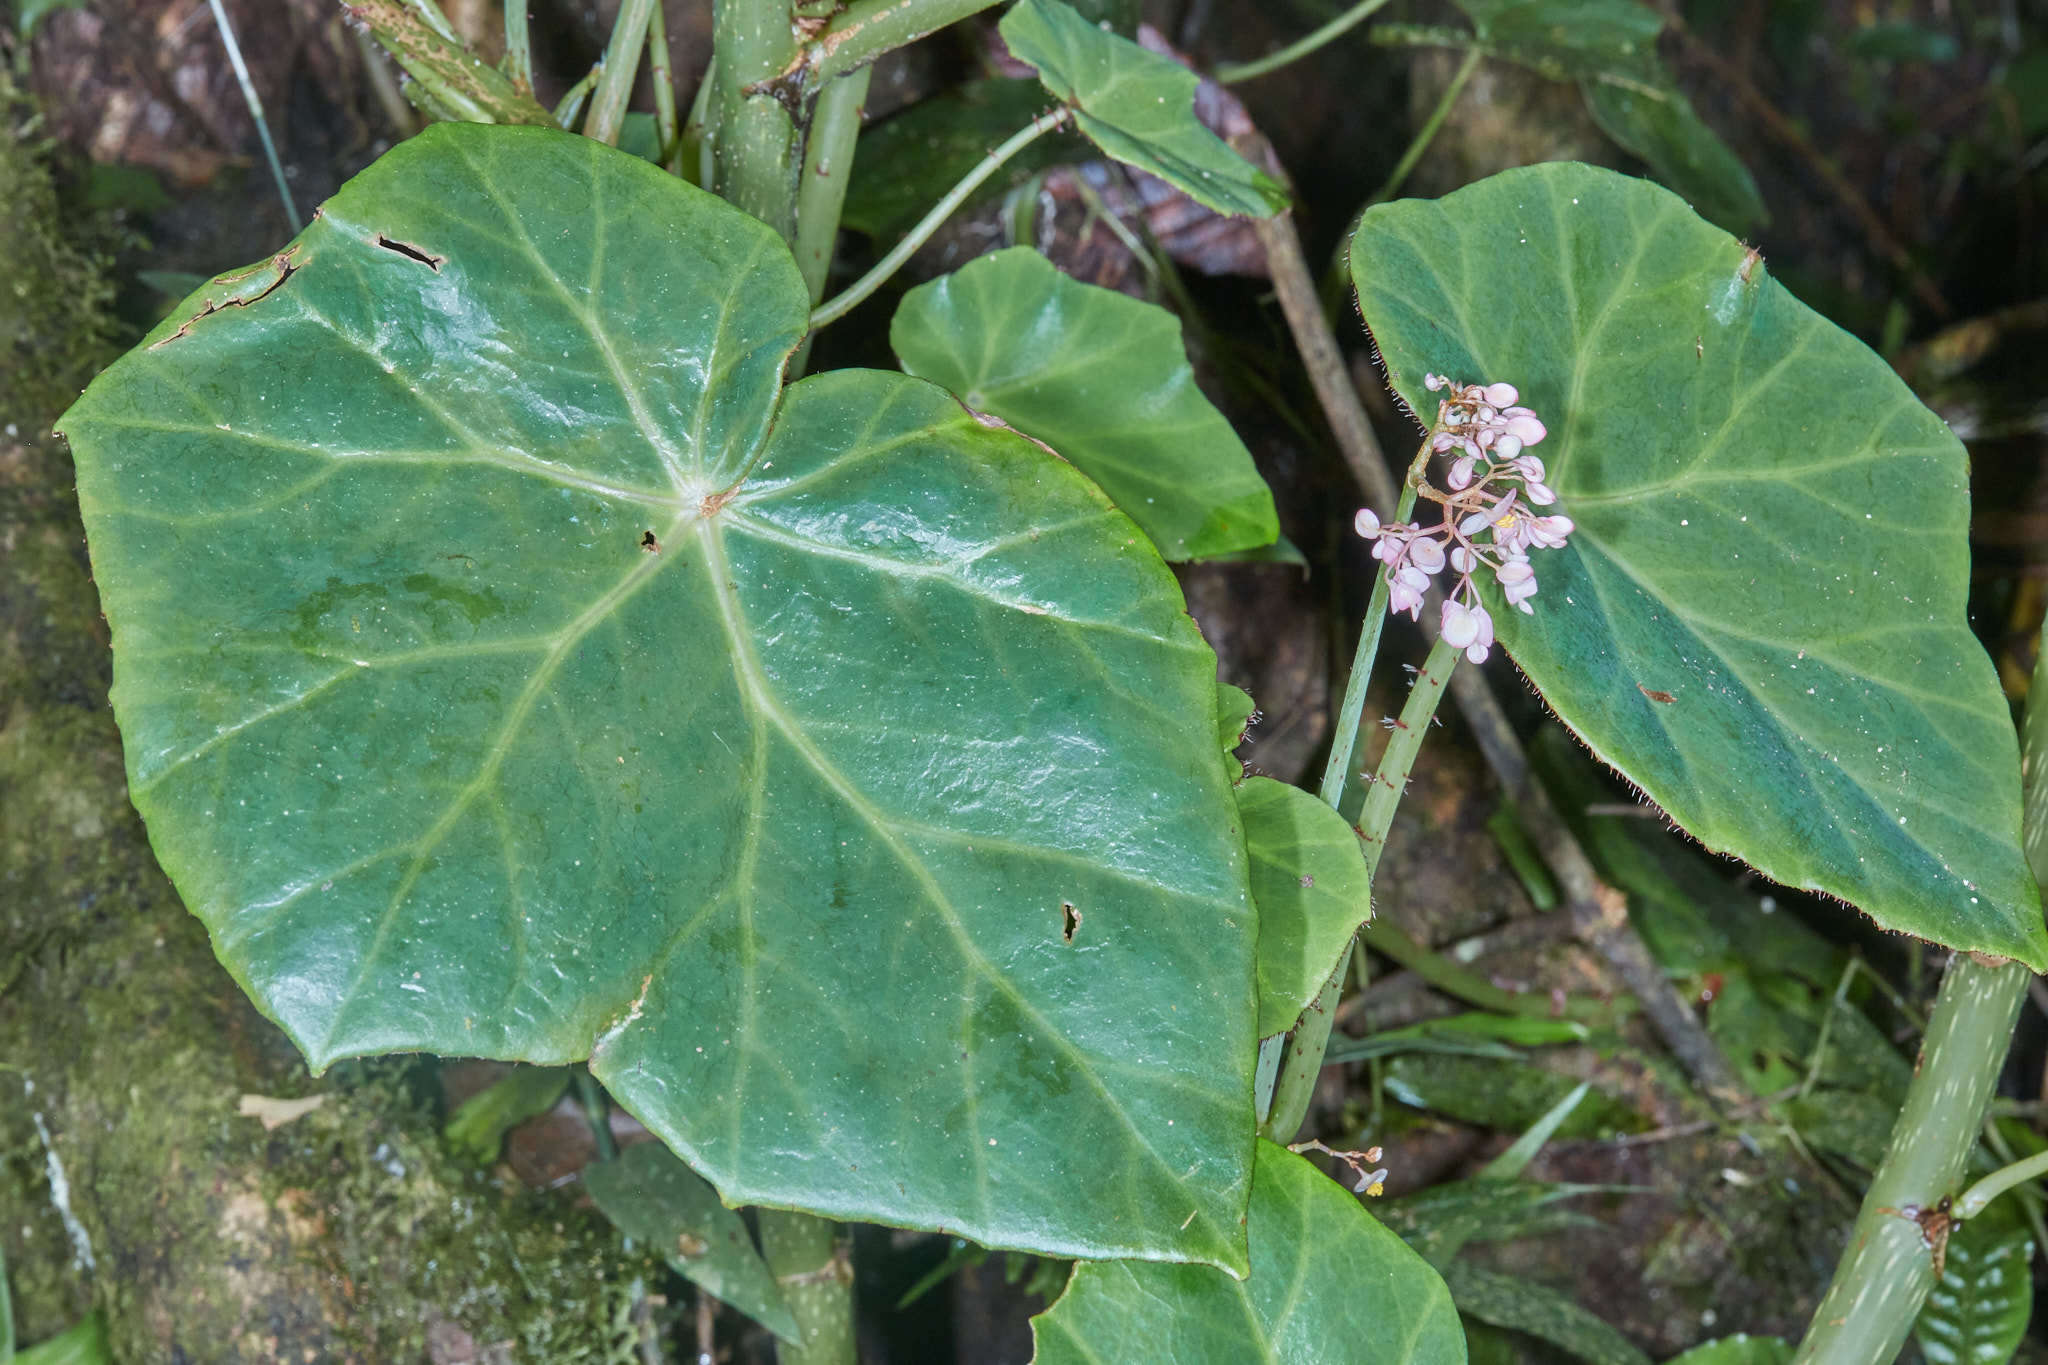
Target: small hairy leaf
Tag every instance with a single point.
(1760, 618)
(1101, 378)
(1138, 106)
(1323, 1271)
(652, 1197)
(1312, 890)
(478, 1128)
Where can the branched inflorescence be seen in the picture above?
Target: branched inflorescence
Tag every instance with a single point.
(1489, 518)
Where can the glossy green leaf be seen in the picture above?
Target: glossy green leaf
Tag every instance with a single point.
(909, 160)
(1739, 1349)
(1323, 1271)
(1760, 618)
(1542, 1312)
(1976, 1313)
(1310, 884)
(478, 1128)
(1658, 125)
(496, 681)
(1101, 378)
(652, 1197)
(1137, 106)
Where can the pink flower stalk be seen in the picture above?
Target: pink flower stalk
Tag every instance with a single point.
(1489, 521)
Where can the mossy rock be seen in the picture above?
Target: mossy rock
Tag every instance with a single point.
(348, 1234)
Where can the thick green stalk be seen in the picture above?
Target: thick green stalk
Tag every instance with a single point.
(842, 304)
(754, 158)
(1311, 1038)
(621, 65)
(866, 29)
(1234, 72)
(828, 163)
(518, 46)
(817, 1282)
(1885, 1274)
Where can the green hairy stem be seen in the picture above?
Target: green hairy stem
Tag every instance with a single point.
(1304, 1059)
(1888, 1268)
(817, 1282)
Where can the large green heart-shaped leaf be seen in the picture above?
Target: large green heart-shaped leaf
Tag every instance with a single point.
(1102, 379)
(1759, 620)
(1138, 106)
(495, 681)
(1327, 1283)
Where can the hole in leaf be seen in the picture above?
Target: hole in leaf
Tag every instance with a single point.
(432, 263)
(650, 544)
(1070, 920)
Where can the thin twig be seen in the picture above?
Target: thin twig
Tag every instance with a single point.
(1232, 73)
(227, 38)
(1317, 342)
(843, 303)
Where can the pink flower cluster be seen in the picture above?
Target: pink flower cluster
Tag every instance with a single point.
(1495, 485)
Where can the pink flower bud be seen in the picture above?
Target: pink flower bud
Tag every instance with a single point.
(1526, 425)
(1507, 446)
(1502, 395)
(1539, 493)
(1366, 523)
(1460, 628)
(1433, 382)
(1461, 473)
(1463, 560)
(1426, 555)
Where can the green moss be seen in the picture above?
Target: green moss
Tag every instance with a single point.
(56, 321)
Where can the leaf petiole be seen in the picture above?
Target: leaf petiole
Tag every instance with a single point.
(856, 293)
(1234, 72)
